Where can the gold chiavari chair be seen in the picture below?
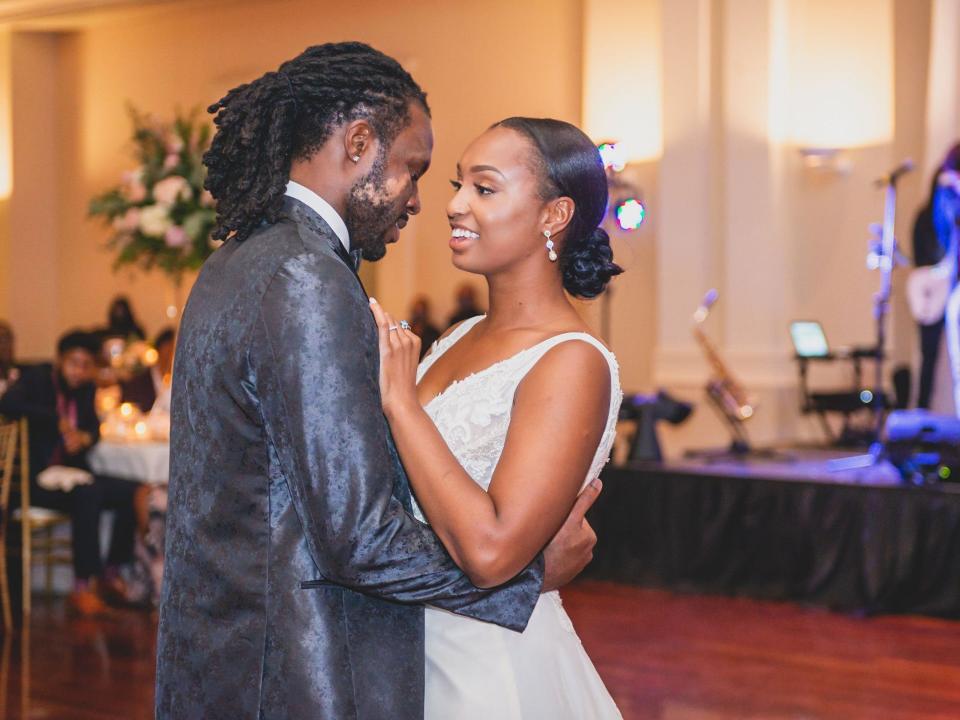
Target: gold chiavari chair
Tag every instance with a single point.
(9, 434)
(38, 543)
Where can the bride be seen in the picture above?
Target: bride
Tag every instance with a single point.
(511, 414)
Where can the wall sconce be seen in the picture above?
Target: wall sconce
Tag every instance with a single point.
(833, 160)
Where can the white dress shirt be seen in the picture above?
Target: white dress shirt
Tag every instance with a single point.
(322, 208)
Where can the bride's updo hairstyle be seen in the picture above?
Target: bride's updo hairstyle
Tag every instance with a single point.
(569, 165)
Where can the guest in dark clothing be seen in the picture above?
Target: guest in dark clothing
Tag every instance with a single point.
(121, 321)
(421, 326)
(144, 388)
(58, 402)
(9, 371)
(930, 242)
(466, 305)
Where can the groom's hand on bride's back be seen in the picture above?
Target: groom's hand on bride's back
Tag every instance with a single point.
(571, 549)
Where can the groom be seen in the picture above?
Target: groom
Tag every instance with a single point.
(295, 575)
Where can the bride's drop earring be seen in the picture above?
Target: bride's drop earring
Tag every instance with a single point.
(551, 253)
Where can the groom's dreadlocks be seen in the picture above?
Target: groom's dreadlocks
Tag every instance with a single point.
(287, 115)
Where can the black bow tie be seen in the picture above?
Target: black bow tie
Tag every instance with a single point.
(351, 258)
(355, 257)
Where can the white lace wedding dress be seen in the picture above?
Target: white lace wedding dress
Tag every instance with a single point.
(480, 670)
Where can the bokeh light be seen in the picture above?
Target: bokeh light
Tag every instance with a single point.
(613, 156)
(630, 214)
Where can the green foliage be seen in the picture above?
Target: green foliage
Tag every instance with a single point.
(160, 214)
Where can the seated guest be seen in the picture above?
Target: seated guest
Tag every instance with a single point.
(58, 404)
(467, 306)
(144, 389)
(121, 321)
(9, 372)
(121, 330)
(421, 325)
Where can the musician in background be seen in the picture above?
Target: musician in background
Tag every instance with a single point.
(932, 230)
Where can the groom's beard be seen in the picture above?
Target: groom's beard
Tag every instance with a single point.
(370, 213)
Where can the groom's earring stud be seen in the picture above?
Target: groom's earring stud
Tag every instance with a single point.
(551, 253)
(356, 158)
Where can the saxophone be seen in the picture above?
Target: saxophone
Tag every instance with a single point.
(728, 394)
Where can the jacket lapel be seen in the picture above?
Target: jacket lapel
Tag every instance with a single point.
(302, 214)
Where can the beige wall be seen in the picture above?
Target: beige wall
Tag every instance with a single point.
(4, 258)
(6, 170)
(34, 263)
(477, 63)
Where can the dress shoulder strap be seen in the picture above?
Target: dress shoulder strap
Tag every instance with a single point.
(445, 343)
(536, 352)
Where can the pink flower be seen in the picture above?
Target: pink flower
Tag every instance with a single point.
(169, 189)
(129, 221)
(174, 145)
(206, 199)
(171, 161)
(175, 236)
(134, 190)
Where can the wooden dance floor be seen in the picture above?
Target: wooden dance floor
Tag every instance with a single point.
(664, 657)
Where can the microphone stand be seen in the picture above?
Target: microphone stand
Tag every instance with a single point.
(887, 259)
(881, 306)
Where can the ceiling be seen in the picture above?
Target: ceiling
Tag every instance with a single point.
(17, 11)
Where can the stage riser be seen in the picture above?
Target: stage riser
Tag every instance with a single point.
(868, 549)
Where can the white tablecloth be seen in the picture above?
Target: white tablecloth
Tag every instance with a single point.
(147, 462)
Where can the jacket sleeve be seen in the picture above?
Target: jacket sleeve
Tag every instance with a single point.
(87, 419)
(20, 401)
(316, 363)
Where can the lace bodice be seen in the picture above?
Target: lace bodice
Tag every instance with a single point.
(473, 414)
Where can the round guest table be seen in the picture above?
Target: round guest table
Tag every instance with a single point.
(141, 460)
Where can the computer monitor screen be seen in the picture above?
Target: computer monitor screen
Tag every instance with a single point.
(808, 339)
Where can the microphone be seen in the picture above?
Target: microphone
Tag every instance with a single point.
(708, 300)
(894, 175)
